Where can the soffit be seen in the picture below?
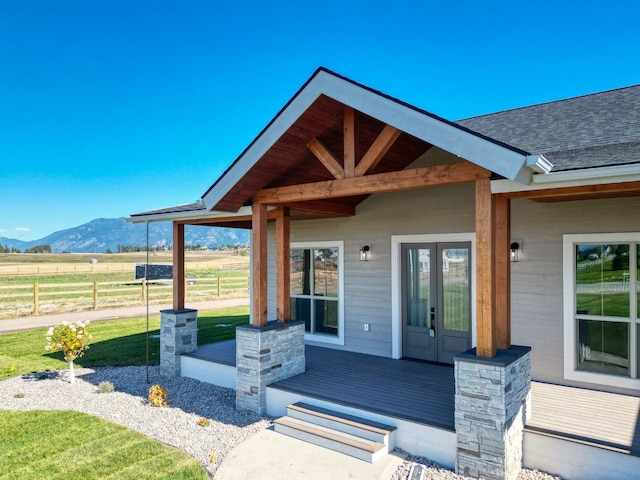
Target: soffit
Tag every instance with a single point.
(288, 161)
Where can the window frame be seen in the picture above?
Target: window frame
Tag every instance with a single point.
(323, 337)
(570, 323)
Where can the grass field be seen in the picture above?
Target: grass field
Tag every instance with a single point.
(63, 445)
(115, 343)
(35, 284)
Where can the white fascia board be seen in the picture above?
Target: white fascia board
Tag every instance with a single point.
(490, 155)
(185, 216)
(262, 143)
(572, 178)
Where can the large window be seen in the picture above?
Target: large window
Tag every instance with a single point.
(602, 311)
(316, 289)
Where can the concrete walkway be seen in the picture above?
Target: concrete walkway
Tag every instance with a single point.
(268, 455)
(27, 323)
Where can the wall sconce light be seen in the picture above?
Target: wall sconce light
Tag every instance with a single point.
(365, 253)
(515, 249)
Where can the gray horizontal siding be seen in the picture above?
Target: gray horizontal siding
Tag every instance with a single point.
(537, 291)
(368, 284)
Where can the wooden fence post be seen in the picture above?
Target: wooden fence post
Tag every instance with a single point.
(144, 290)
(36, 306)
(219, 289)
(95, 295)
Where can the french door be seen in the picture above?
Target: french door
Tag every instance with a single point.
(436, 300)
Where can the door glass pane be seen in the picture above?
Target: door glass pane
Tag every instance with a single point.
(603, 346)
(456, 307)
(602, 280)
(326, 312)
(325, 263)
(300, 271)
(418, 287)
(301, 310)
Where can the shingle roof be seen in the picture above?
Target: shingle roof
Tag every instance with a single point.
(601, 129)
(187, 207)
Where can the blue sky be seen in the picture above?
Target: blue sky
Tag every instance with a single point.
(110, 107)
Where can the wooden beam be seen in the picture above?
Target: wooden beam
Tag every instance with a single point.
(377, 150)
(325, 207)
(608, 190)
(460, 172)
(350, 129)
(485, 282)
(178, 266)
(259, 265)
(502, 291)
(283, 271)
(323, 154)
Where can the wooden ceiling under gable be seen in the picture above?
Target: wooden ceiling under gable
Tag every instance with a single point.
(289, 161)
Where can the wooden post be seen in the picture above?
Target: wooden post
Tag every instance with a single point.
(95, 295)
(350, 129)
(485, 270)
(502, 235)
(283, 260)
(185, 288)
(178, 266)
(259, 264)
(36, 305)
(144, 290)
(219, 286)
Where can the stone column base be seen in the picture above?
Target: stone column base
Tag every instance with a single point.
(178, 335)
(492, 399)
(265, 355)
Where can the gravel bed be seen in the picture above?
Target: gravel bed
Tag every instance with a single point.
(419, 468)
(175, 425)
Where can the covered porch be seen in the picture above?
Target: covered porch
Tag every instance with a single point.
(571, 431)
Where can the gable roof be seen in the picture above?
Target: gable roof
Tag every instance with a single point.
(565, 136)
(596, 130)
(279, 155)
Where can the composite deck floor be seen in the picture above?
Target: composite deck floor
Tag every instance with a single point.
(424, 393)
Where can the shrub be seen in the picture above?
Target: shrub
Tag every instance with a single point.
(72, 340)
(158, 396)
(106, 387)
(204, 422)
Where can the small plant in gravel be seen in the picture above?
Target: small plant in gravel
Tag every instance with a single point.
(158, 396)
(106, 387)
(204, 422)
(70, 339)
(18, 395)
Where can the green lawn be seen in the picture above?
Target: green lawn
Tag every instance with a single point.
(115, 343)
(65, 444)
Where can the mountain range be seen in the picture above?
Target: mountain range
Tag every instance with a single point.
(102, 234)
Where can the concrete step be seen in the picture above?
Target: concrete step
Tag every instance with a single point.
(341, 422)
(354, 436)
(351, 445)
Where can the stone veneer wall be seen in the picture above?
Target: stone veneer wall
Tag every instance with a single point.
(178, 335)
(493, 402)
(265, 355)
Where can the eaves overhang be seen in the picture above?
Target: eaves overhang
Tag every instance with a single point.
(504, 160)
(571, 178)
(186, 216)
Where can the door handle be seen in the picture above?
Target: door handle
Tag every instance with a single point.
(432, 330)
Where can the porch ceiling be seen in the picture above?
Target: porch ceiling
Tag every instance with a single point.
(289, 161)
